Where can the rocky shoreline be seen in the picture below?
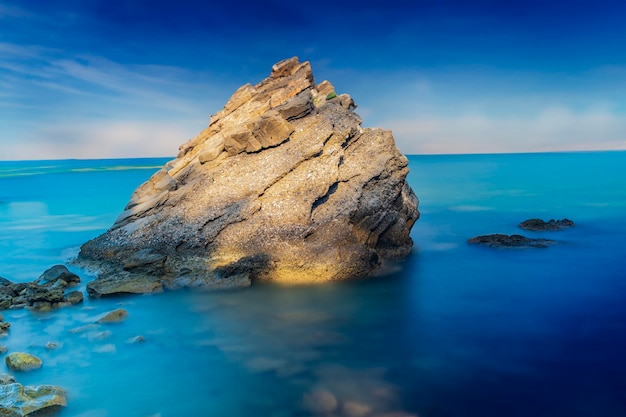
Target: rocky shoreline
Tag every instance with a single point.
(53, 289)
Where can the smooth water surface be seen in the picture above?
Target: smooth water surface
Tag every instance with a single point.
(458, 331)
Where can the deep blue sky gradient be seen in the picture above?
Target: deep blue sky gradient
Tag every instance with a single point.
(92, 78)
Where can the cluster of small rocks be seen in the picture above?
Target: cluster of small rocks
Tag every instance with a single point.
(51, 290)
(17, 400)
(497, 240)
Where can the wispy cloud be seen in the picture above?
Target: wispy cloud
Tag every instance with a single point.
(12, 11)
(108, 139)
(80, 106)
(551, 129)
(154, 86)
(483, 110)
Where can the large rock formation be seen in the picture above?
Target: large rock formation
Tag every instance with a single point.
(283, 185)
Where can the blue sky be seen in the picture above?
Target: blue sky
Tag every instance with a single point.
(106, 78)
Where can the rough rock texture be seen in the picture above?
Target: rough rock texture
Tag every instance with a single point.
(540, 225)
(17, 400)
(4, 325)
(48, 291)
(6, 379)
(20, 361)
(57, 274)
(283, 185)
(512, 241)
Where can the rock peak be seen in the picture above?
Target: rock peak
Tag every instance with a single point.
(285, 67)
(284, 184)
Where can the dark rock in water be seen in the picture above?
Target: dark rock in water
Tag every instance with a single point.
(56, 273)
(5, 301)
(7, 290)
(17, 400)
(283, 185)
(18, 287)
(35, 294)
(540, 225)
(512, 241)
(46, 292)
(4, 326)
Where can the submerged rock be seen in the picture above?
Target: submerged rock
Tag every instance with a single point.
(540, 225)
(283, 185)
(20, 361)
(355, 409)
(53, 345)
(320, 401)
(115, 316)
(136, 339)
(512, 241)
(17, 400)
(74, 297)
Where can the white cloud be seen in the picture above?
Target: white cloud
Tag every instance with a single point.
(551, 129)
(58, 106)
(103, 140)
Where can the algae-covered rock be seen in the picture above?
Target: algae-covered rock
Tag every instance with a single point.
(17, 400)
(20, 361)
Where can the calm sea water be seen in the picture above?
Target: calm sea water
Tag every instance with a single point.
(456, 331)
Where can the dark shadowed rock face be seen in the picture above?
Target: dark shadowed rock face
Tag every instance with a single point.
(540, 225)
(283, 185)
(512, 241)
(52, 289)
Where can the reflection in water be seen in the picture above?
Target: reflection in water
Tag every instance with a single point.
(268, 350)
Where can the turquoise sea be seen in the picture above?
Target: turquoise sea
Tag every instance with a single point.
(453, 331)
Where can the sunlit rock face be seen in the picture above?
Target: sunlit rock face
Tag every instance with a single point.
(283, 185)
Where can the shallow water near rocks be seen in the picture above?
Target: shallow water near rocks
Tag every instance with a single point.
(454, 330)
